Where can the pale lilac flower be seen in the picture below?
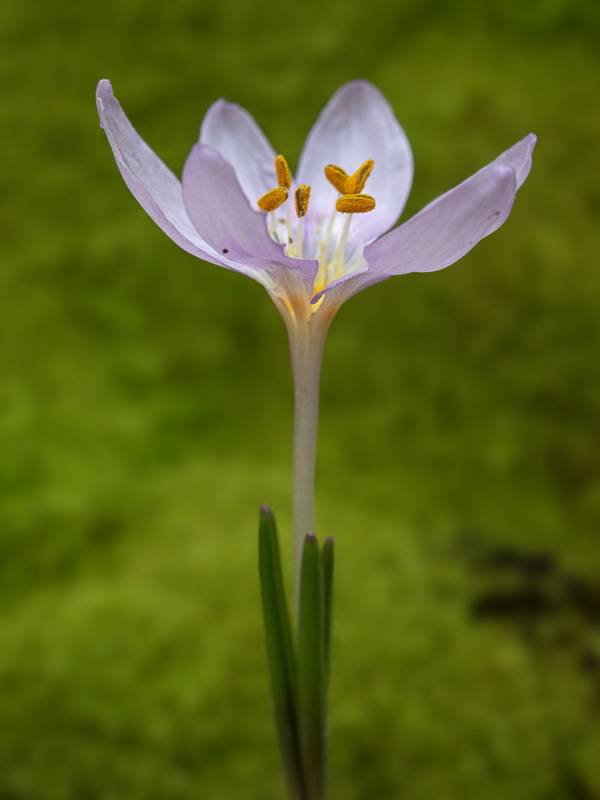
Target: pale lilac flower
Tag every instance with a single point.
(311, 263)
(213, 212)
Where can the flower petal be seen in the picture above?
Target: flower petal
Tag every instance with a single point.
(218, 207)
(519, 157)
(231, 130)
(150, 181)
(358, 124)
(448, 228)
(437, 236)
(444, 230)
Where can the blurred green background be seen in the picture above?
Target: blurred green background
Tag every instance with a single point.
(145, 412)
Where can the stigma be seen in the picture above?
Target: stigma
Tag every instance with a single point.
(286, 210)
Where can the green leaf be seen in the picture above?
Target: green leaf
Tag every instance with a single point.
(312, 670)
(327, 556)
(280, 653)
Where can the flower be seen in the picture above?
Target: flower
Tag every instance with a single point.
(313, 242)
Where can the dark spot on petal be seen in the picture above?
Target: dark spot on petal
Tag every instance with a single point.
(225, 250)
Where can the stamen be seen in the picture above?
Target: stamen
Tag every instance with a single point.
(336, 266)
(355, 203)
(351, 201)
(272, 225)
(356, 182)
(284, 176)
(337, 177)
(302, 196)
(273, 199)
(330, 225)
(289, 247)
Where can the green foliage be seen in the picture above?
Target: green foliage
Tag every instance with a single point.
(312, 669)
(298, 664)
(146, 410)
(282, 655)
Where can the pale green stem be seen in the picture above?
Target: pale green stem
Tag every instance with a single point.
(307, 339)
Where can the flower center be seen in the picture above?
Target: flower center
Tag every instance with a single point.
(330, 242)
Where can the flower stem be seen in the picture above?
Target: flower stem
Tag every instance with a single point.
(307, 339)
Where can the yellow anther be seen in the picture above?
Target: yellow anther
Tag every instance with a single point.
(355, 203)
(284, 176)
(302, 196)
(356, 182)
(273, 199)
(337, 177)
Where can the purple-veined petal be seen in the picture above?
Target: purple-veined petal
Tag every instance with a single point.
(448, 228)
(232, 131)
(218, 207)
(357, 124)
(150, 181)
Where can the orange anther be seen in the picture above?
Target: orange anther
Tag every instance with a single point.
(284, 176)
(273, 199)
(355, 203)
(356, 182)
(302, 196)
(337, 177)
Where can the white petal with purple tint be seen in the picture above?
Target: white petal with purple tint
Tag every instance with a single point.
(217, 206)
(358, 124)
(232, 131)
(449, 227)
(150, 181)
(519, 157)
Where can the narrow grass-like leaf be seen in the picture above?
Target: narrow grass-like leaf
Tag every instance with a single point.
(281, 654)
(312, 681)
(327, 556)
